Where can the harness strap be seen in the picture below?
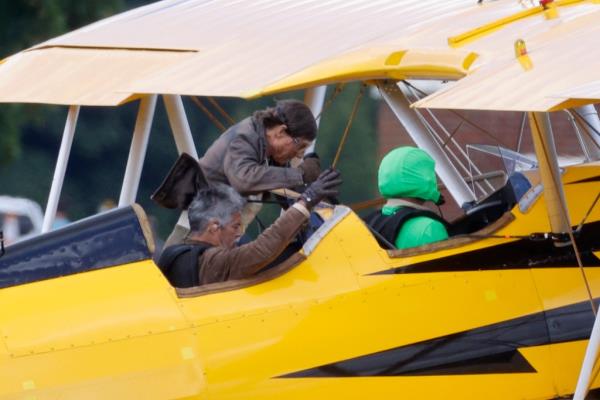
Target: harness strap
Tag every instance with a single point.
(389, 225)
(179, 263)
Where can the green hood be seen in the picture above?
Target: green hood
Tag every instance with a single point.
(408, 172)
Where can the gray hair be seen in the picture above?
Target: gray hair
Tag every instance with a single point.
(218, 202)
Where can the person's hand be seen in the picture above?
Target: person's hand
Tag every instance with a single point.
(326, 185)
(310, 167)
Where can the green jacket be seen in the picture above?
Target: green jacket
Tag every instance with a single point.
(418, 231)
(409, 172)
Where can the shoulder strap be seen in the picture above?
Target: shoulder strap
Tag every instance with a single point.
(179, 263)
(169, 254)
(389, 225)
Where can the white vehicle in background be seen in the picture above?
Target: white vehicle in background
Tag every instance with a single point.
(20, 218)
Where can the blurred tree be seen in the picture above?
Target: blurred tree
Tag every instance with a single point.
(25, 23)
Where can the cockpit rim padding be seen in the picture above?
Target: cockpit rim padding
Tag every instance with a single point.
(272, 273)
(146, 227)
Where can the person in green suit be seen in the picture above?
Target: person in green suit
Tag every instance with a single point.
(407, 180)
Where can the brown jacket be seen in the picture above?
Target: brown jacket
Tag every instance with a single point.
(218, 264)
(239, 158)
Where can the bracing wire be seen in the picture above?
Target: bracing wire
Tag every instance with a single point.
(586, 122)
(579, 135)
(588, 213)
(579, 118)
(348, 125)
(462, 117)
(454, 132)
(565, 215)
(521, 130)
(451, 153)
(210, 115)
(338, 89)
(221, 111)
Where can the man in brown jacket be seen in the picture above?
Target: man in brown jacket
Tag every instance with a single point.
(209, 254)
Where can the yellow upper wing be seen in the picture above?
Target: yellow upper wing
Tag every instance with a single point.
(248, 49)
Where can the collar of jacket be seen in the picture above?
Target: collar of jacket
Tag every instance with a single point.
(259, 128)
(395, 203)
(187, 240)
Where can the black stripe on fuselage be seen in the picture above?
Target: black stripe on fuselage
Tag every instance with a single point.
(491, 349)
(520, 254)
(586, 180)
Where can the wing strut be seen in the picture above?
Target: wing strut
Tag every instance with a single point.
(137, 151)
(556, 205)
(314, 98)
(543, 142)
(587, 116)
(182, 135)
(554, 196)
(591, 354)
(61, 168)
(418, 132)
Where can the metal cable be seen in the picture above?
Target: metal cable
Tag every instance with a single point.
(210, 115)
(580, 119)
(521, 130)
(451, 134)
(588, 213)
(221, 110)
(565, 215)
(413, 91)
(582, 144)
(338, 89)
(474, 125)
(586, 122)
(451, 153)
(348, 125)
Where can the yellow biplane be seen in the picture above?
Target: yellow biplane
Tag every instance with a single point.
(503, 309)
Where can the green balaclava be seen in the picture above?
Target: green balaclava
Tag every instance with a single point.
(408, 172)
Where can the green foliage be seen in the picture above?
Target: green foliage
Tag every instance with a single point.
(26, 23)
(9, 140)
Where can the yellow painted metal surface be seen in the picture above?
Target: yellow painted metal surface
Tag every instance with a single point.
(561, 57)
(378, 63)
(91, 308)
(473, 34)
(94, 77)
(111, 333)
(215, 49)
(490, 27)
(122, 332)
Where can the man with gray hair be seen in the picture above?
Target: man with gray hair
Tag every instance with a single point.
(209, 254)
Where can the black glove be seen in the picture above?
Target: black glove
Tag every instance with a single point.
(326, 185)
(310, 167)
